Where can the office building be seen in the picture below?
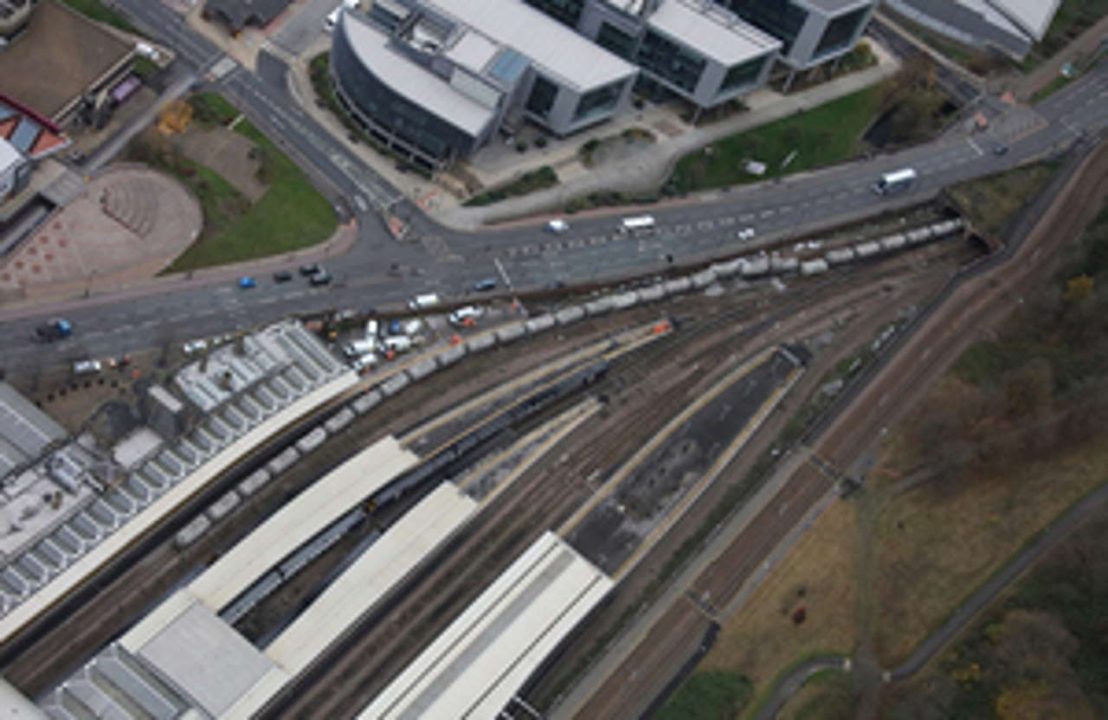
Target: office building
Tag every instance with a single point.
(1010, 26)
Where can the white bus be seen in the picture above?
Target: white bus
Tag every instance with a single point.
(895, 181)
(638, 224)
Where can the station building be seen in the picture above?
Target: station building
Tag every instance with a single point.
(1010, 26)
(434, 80)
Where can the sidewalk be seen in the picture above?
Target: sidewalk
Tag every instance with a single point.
(126, 285)
(644, 171)
(1040, 77)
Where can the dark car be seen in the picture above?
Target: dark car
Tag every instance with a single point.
(485, 285)
(321, 277)
(309, 270)
(282, 276)
(1000, 150)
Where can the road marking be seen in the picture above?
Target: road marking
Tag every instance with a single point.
(976, 148)
(768, 213)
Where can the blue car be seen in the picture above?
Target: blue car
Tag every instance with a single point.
(485, 285)
(246, 282)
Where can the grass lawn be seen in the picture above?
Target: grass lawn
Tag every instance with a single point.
(828, 695)
(527, 183)
(991, 202)
(760, 641)
(819, 137)
(707, 696)
(290, 215)
(98, 11)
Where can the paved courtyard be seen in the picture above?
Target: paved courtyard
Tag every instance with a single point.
(128, 224)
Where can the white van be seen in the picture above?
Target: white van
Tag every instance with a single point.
(397, 343)
(459, 316)
(895, 181)
(359, 347)
(557, 226)
(422, 302)
(637, 224)
(365, 362)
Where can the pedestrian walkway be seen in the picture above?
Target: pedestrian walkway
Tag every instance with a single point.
(1088, 42)
(643, 171)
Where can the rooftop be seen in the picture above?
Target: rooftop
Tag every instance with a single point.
(556, 49)
(714, 31)
(1033, 16)
(58, 58)
(240, 13)
(419, 85)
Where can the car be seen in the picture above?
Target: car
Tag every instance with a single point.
(396, 327)
(359, 347)
(486, 285)
(466, 314)
(86, 367)
(422, 302)
(54, 329)
(282, 276)
(194, 346)
(320, 278)
(1000, 149)
(557, 226)
(311, 269)
(372, 328)
(365, 362)
(246, 282)
(412, 326)
(746, 233)
(397, 344)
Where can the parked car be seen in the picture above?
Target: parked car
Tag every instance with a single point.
(464, 314)
(397, 343)
(320, 278)
(486, 285)
(365, 362)
(194, 346)
(308, 270)
(246, 282)
(86, 367)
(282, 276)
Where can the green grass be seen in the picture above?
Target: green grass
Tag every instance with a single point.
(96, 10)
(992, 202)
(146, 68)
(822, 136)
(529, 182)
(210, 108)
(1052, 87)
(290, 215)
(708, 696)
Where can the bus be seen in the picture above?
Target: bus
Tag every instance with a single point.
(895, 181)
(637, 224)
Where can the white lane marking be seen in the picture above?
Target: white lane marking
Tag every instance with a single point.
(976, 148)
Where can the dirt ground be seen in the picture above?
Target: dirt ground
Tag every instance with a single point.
(762, 639)
(230, 154)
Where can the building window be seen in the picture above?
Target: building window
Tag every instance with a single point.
(746, 73)
(669, 61)
(542, 96)
(612, 38)
(780, 18)
(840, 32)
(564, 11)
(598, 101)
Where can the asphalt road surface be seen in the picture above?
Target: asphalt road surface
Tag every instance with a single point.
(449, 262)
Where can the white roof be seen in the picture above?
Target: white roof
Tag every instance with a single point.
(408, 79)
(1034, 16)
(15, 706)
(299, 520)
(559, 51)
(475, 666)
(9, 155)
(204, 656)
(473, 50)
(712, 31)
(398, 552)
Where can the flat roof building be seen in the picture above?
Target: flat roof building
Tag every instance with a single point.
(238, 14)
(437, 79)
(1010, 26)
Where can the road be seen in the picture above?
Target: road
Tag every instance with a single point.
(439, 259)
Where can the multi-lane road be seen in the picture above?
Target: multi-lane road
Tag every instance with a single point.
(440, 259)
